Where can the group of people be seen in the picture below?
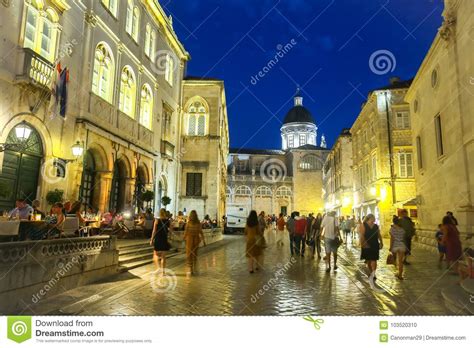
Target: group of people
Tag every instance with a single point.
(193, 236)
(309, 231)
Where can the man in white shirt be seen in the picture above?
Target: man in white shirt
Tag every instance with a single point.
(332, 238)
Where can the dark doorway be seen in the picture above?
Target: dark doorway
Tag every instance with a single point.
(20, 169)
(117, 190)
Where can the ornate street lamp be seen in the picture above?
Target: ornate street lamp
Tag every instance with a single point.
(22, 132)
(77, 149)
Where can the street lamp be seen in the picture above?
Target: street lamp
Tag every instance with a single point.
(22, 131)
(77, 149)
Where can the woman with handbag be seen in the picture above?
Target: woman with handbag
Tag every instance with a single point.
(193, 236)
(397, 245)
(254, 247)
(371, 242)
(159, 240)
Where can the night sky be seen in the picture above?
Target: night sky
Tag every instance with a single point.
(333, 41)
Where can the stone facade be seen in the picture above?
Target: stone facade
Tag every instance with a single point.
(124, 106)
(338, 176)
(383, 155)
(204, 154)
(443, 126)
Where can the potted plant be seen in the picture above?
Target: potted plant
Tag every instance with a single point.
(165, 200)
(148, 196)
(54, 196)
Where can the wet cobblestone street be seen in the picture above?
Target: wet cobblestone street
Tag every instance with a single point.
(284, 286)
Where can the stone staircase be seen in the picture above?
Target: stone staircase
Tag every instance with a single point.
(135, 254)
(459, 299)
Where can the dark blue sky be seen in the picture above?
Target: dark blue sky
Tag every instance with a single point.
(333, 41)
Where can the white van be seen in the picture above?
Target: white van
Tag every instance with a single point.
(236, 217)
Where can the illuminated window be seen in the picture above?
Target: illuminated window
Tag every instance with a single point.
(310, 162)
(302, 139)
(129, 19)
(263, 191)
(243, 191)
(283, 191)
(405, 165)
(148, 40)
(402, 120)
(128, 91)
(197, 115)
(169, 69)
(41, 29)
(291, 141)
(111, 5)
(136, 23)
(103, 73)
(146, 106)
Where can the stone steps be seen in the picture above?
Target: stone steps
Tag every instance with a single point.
(134, 254)
(459, 299)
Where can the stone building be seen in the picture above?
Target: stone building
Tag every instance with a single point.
(204, 147)
(383, 155)
(281, 181)
(338, 176)
(124, 107)
(441, 102)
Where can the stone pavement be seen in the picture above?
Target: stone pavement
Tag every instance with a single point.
(283, 287)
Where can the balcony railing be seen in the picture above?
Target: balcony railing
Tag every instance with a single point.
(36, 69)
(167, 149)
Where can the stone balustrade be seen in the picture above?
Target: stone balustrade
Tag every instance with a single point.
(33, 270)
(210, 236)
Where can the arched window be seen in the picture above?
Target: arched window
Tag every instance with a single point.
(136, 23)
(129, 19)
(197, 116)
(283, 191)
(103, 74)
(111, 5)
(228, 192)
(169, 69)
(148, 40)
(264, 191)
(153, 44)
(41, 32)
(128, 91)
(243, 191)
(310, 162)
(146, 106)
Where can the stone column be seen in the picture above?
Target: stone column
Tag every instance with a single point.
(105, 180)
(90, 21)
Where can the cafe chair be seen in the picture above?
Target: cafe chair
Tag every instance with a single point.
(9, 229)
(71, 226)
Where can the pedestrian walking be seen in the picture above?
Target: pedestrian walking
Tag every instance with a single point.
(300, 231)
(452, 242)
(280, 230)
(451, 215)
(193, 236)
(441, 248)
(159, 240)
(397, 245)
(290, 226)
(332, 238)
(409, 227)
(346, 229)
(254, 248)
(371, 243)
(316, 235)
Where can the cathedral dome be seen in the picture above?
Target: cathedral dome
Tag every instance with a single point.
(298, 114)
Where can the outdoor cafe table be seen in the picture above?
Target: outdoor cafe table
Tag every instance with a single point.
(25, 226)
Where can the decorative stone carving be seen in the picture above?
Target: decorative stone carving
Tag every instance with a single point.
(90, 18)
(448, 26)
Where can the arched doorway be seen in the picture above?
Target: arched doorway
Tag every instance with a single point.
(88, 182)
(20, 169)
(117, 189)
